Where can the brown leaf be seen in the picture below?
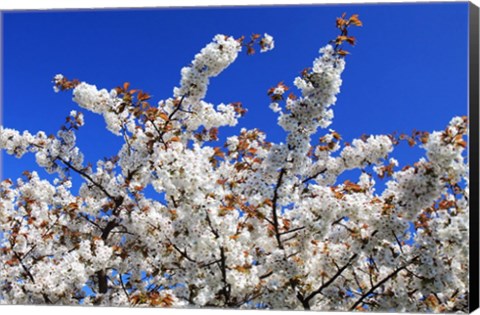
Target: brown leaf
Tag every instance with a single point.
(163, 116)
(268, 202)
(72, 206)
(221, 181)
(143, 96)
(12, 262)
(286, 223)
(355, 20)
(351, 40)
(218, 152)
(340, 39)
(243, 269)
(342, 52)
(240, 39)
(340, 22)
(336, 135)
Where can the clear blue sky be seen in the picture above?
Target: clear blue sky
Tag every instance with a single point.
(408, 70)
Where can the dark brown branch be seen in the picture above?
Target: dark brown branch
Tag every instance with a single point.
(274, 208)
(454, 294)
(101, 275)
(289, 239)
(46, 298)
(337, 221)
(380, 283)
(335, 263)
(373, 263)
(248, 299)
(169, 119)
(370, 274)
(299, 295)
(292, 254)
(102, 281)
(174, 201)
(30, 250)
(398, 241)
(125, 137)
(90, 221)
(329, 282)
(415, 275)
(108, 228)
(215, 232)
(183, 253)
(187, 111)
(27, 271)
(268, 274)
(160, 135)
(269, 221)
(226, 286)
(123, 287)
(357, 281)
(292, 231)
(85, 175)
(314, 176)
(204, 265)
(49, 229)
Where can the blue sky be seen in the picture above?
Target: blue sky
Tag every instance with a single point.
(408, 70)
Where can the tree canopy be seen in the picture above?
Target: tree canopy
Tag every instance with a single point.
(250, 224)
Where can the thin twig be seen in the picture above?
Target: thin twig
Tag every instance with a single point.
(85, 175)
(90, 221)
(274, 208)
(183, 253)
(330, 281)
(215, 232)
(123, 287)
(380, 283)
(398, 242)
(292, 231)
(314, 176)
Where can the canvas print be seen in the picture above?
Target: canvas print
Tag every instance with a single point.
(302, 157)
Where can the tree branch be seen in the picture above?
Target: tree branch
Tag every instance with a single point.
(226, 286)
(292, 231)
(329, 282)
(123, 287)
(102, 281)
(215, 232)
(398, 241)
(183, 253)
(161, 134)
(380, 283)
(314, 176)
(85, 175)
(274, 208)
(90, 221)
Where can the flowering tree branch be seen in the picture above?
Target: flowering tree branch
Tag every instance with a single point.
(171, 220)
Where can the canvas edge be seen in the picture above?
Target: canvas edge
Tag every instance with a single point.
(474, 156)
